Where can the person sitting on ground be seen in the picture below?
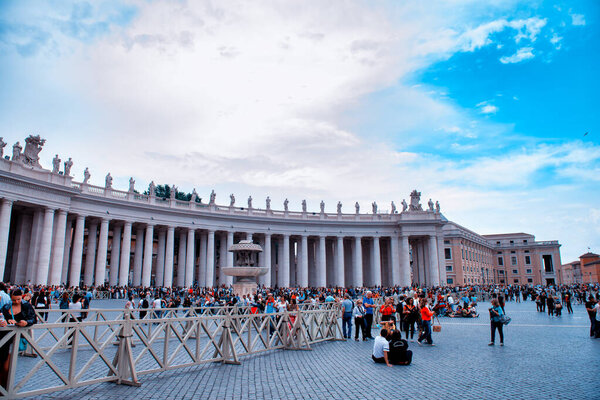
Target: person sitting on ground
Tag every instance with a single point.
(399, 353)
(381, 348)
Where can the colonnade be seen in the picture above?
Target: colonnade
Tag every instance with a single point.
(52, 246)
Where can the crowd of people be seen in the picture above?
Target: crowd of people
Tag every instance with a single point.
(406, 313)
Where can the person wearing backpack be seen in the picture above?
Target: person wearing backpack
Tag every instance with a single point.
(496, 314)
(144, 305)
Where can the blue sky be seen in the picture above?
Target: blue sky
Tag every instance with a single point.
(480, 105)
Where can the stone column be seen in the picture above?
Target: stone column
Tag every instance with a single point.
(210, 259)
(434, 273)
(339, 262)
(169, 254)
(125, 255)
(34, 246)
(5, 212)
(266, 279)
(202, 265)
(303, 270)
(76, 256)
(102, 253)
(58, 248)
(43, 263)
(321, 266)
(160, 258)
(139, 256)
(283, 277)
(115, 255)
(357, 278)
(395, 260)
(190, 258)
(148, 250)
(376, 262)
(404, 270)
(90, 253)
(228, 280)
(442, 260)
(181, 257)
(64, 277)
(23, 250)
(223, 256)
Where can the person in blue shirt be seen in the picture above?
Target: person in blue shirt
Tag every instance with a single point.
(347, 306)
(369, 306)
(496, 313)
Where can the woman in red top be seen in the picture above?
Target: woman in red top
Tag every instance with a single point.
(426, 315)
(387, 309)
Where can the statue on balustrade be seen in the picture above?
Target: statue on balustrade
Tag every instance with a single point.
(68, 165)
(339, 207)
(430, 204)
(33, 146)
(404, 205)
(16, 151)
(131, 185)
(194, 196)
(415, 201)
(2, 146)
(86, 176)
(393, 208)
(286, 205)
(212, 198)
(268, 201)
(108, 181)
(249, 201)
(437, 206)
(231, 200)
(357, 207)
(55, 164)
(152, 189)
(173, 192)
(374, 205)
(303, 206)
(322, 206)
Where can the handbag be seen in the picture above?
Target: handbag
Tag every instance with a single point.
(438, 327)
(505, 320)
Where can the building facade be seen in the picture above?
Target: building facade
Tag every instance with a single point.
(55, 230)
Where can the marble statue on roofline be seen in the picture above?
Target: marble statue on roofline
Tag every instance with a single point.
(173, 192)
(339, 207)
(393, 208)
(322, 206)
(249, 201)
(437, 206)
(430, 204)
(231, 200)
(16, 151)
(404, 205)
(152, 189)
(303, 206)
(286, 203)
(86, 175)
(108, 181)
(374, 205)
(194, 196)
(212, 198)
(268, 201)
(68, 165)
(33, 147)
(131, 184)
(357, 207)
(55, 164)
(415, 201)
(2, 146)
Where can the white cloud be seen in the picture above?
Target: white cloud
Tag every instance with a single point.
(487, 108)
(578, 19)
(522, 54)
(556, 41)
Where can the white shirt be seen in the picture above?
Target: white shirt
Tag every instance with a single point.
(281, 306)
(379, 346)
(157, 303)
(597, 309)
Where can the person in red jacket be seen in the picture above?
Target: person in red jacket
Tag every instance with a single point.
(426, 315)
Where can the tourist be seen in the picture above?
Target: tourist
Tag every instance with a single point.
(496, 313)
(398, 350)
(410, 318)
(381, 348)
(387, 310)
(596, 310)
(369, 306)
(426, 315)
(589, 306)
(550, 304)
(347, 306)
(359, 319)
(76, 305)
(4, 297)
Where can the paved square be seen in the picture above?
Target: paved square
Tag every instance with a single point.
(544, 357)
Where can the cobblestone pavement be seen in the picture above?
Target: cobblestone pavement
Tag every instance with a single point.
(544, 357)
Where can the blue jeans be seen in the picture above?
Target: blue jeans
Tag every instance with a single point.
(426, 335)
(347, 324)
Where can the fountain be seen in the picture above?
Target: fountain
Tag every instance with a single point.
(245, 269)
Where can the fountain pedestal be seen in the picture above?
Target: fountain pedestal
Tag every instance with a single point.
(245, 272)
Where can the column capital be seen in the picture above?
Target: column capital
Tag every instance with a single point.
(7, 201)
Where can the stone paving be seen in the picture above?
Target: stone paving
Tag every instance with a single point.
(544, 357)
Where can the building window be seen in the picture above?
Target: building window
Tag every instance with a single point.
(446, 242)
(526, 251)
(498, 242)
(512, 242)
(463, 253)
(516, 281)
(501, 272)
(500, 261)
(524, 240)
(527, 260)
(528, 271)
(547, 259)
(448, 268)
(515, 271)
(513, 260)
(513, 252)
(501, 280)
(448, 254)
(450, 281)
(529, 280)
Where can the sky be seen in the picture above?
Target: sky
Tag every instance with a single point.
(491, 107)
